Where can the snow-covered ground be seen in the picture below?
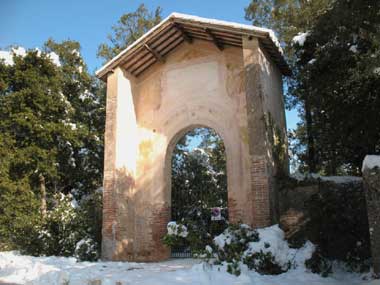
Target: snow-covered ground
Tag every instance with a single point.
(20, 269)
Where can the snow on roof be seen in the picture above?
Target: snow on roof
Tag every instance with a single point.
(370, 162)
(228, 24)
(241, 28)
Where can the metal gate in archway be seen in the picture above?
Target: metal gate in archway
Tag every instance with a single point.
(199, 195)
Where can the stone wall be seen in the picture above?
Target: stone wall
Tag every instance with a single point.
(332, 215)
(293, 197)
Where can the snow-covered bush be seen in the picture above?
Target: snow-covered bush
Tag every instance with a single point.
(242, 244)
(319, 264)
(61, 232)
(233, 242)
(56, 234)
(264, 250)
(175, 229)
(230, 246)
(265, 263)
(90, 213)
(194, 232)
(86, 249)
(176, 236)
(69, 229)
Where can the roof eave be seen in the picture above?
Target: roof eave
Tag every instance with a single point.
(111, 64)
(242, 29)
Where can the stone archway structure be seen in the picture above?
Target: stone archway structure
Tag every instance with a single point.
(187, 72)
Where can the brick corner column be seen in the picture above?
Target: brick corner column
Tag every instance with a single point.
(109, 207)
(371, 176)
(261, 180)
(120, 122)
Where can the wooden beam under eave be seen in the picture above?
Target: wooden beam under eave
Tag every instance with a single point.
(185, 34)
(218, 44)
(154, 53)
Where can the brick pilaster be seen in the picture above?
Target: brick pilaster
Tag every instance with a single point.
(259, 195)
(109, 203)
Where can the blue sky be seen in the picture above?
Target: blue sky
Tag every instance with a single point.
(30, 23)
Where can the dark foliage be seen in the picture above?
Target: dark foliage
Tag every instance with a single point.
(339, 225)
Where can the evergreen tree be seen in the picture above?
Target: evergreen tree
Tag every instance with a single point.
(51, 122)
(128, 29)
(338, 70)
(86, 98)
(286, 17)
(31, 114)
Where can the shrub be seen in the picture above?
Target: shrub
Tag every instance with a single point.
(339, 225)
(263, 250)
(264, 263)
(87, 249)
(319, 264)
(90, 211)
(19, 211)
(57, 234)
(200, 230)
(68, 229)
(176, 236)
(233, 242)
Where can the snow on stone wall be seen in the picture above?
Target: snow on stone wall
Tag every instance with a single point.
(370, 162)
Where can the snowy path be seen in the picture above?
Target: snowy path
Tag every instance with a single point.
(18, 269)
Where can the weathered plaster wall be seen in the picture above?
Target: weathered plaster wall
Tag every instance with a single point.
(273, 107)
(272, 90)
(264, 97)
(198, 85)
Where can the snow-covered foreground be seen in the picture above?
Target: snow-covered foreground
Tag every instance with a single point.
(21, 269)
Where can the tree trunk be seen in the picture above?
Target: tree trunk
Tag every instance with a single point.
(43, 196)
(310, 138)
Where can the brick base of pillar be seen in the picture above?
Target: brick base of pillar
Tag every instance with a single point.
(260, 192)
(144, 246)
